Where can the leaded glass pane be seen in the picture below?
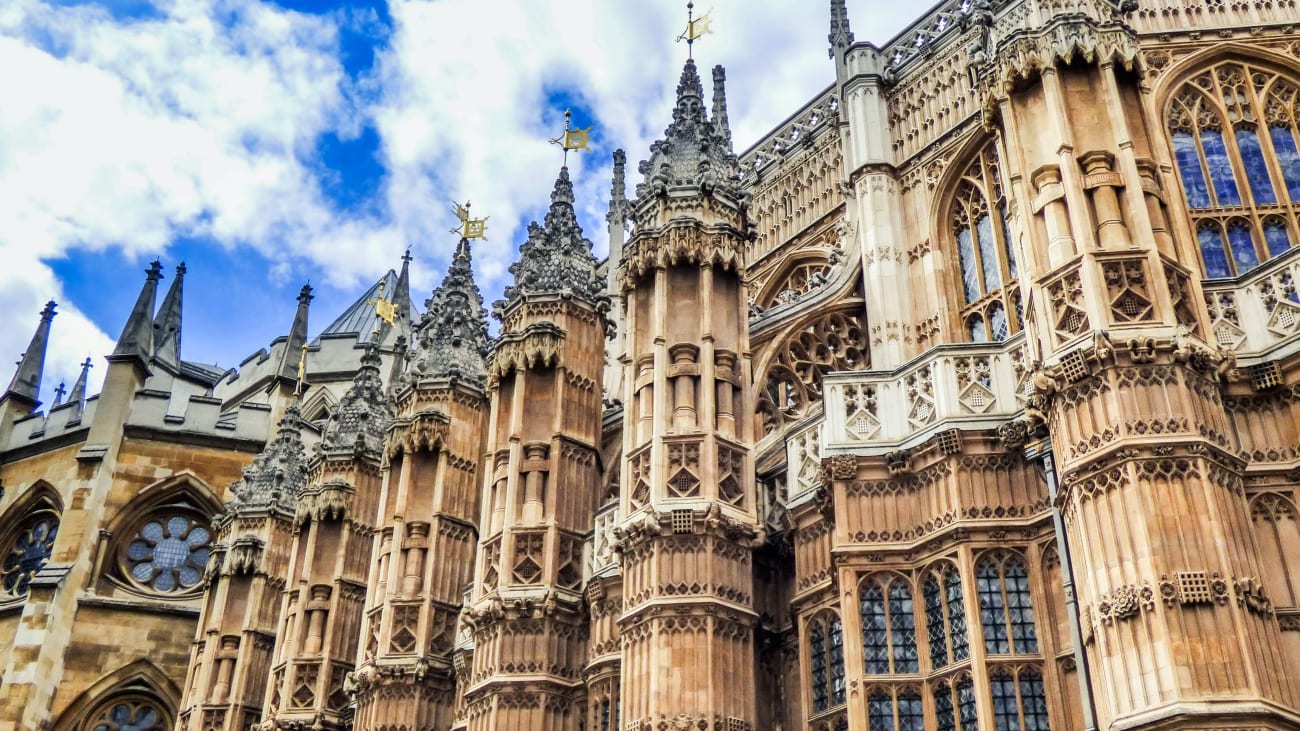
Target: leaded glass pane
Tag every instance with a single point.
(836, 641)
(956, 618)
(604, 715)
(880, 713)
(975, 327)
(1288, 158)
(988, 253)
(1212, 252)
(130, 716)
(935, 624)
(1243, 246)
(902, 623)
(966, 705)
(998, 321)
(988, 583)
(817, 646)
(875, 634)
(969, 271)
(1276, 236)
(911, 714)
(1220, 166)
(943, 708)
(1189, 168)
(1033, 700)
(28, 554)
(1261, 185)
(1019, 609)
(1006, 716)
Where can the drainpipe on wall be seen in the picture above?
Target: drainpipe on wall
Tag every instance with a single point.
(1041, 451)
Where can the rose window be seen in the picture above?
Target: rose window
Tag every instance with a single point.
(28, 552)
(168, 555)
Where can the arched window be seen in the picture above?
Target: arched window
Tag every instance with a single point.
(131, 712)
(954, 705)
(980, 222)
(1019, 700)
(895, 709)
(945, 617)
(1005, 607)
(888, 626)
(27, 549)
(1237, 146)
(826, 661)
(166, 550)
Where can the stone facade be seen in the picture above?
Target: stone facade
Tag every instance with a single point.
(968, 398)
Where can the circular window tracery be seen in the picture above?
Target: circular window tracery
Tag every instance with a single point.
(27, 551)
(168, 553)
(131, 715)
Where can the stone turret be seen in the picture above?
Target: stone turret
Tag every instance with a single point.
(556, 258)
(720, 122)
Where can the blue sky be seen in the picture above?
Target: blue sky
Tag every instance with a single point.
(268, 144)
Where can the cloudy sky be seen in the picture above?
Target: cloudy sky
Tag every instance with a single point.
(268, 144)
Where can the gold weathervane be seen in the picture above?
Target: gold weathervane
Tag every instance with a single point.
(302, 371)
(469, 228)
(385, 310)
(695, 28)
(572, 139)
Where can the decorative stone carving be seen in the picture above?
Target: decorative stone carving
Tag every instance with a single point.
(451, 338)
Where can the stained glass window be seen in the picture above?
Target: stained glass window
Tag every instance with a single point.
(604, 716)
(131, 715)
(985, 250)
(880, 712)
(966, 704)
(1234, 134)
(902, 623)
(944, 710)
(888, 628)
(935, 623)
(911, 713)
(875, 633)
(956, 617)
(27, 552)
(168, 553)
(817, 646)
(1006, 611)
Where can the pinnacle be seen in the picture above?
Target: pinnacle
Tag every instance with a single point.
(451, 339)
(278, 472)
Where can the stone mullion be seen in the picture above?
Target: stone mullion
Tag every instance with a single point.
(854, 663)
(1076, 202)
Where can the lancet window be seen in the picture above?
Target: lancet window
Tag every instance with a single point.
(895, 709)
(1019, 699)
(945, 617)
(1235, 131)
(826, 661)
(979, 222)
(888, 626)
(954, 705)
(1006, 611)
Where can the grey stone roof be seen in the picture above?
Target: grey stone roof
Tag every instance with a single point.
(451, 338)
(359, 317)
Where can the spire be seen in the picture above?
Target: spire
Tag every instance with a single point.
(556, 257)
(292, 355)
(78, 395)
(693, 152)
(26, 383)
(451, 338)
(401, 299)
(167, 326)
(720, 104)
(278, 472)
(362, 416)
(136, 341)
(618, 189)
(59, 392)
(840, 36)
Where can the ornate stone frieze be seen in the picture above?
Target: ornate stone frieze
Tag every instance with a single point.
(536, 346)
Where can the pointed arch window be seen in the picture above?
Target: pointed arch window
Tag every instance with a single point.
(888, 626)
(1006, 610)
(1019, 699)
(945, 617)
(826, 661)
(26, 549)
(1236, 141)
(895, 709)
(132, 712)
(980, 226)
(954, 704)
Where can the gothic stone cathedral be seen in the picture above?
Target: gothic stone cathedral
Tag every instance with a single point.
(967, 398)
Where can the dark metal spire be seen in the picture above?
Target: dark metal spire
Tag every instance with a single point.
(167, 325)
(292, 355)
(840, 36)
(59, 392)
(26, 383)
(451, 338)
(556, 257)
(720, 103)
(401, 299)
(136, 342)
(357, 426)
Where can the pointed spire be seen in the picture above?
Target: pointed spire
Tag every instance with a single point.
(401, 299)
(840, 36)
(78, 395)
(362, 416)
(720, 104)
(556, 257)
(167, 326)
(451, 338)
(693, 153)
(278, 473)
(26, 383)
(292, 355)
(136, 341)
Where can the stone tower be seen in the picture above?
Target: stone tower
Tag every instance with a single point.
(540, 486)
(428, 514)
(688, 503)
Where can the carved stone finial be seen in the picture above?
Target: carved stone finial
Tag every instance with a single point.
(451, 337)
(557, 257)
(841, 37)
(362, 416)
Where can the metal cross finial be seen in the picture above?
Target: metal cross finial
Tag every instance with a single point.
(690, 38)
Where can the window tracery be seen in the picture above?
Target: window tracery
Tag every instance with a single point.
(129, 713)
(954, 704)
(1006, 610)
(945, 617)
(895, 708)
(1235, 131)
(826, 661)
(980, 226)
(1019, 699)
(167, 551)
(793, 382)
(26, 551)
(888, 626)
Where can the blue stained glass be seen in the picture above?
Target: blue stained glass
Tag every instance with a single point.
(1288, 158)
(1276, 237)
(957, 618)
(966, 705)
(911, 713)
(817, 646)
(988, 583)
(1006, 717)
(988, 253)
(1189, 168)
(943, 708)
(1243, 246)
(934, 623)
(1211, 241)
(1216, 159)
(28, 555)
(875, 637)
(1033, 700)
(836, 640)
(1261, 186)
(969, 275)
(1019, 607)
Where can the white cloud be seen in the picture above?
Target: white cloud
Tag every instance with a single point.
(202, 121)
